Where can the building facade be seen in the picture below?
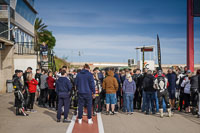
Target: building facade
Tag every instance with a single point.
(17, 19)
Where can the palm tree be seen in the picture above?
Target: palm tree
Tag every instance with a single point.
(39, 29)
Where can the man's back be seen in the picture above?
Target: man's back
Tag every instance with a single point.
(110, 83)
(85, 82)
(161, 83)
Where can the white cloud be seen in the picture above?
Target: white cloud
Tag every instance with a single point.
(118, 47)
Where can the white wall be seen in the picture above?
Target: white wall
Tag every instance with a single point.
(22, 64)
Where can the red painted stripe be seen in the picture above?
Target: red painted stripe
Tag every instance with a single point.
(85, 127)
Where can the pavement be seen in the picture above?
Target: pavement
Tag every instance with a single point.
(44, 121)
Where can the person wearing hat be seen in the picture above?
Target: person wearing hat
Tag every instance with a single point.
(160, 84)
(19, 91)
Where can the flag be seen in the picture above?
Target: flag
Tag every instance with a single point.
(159, 52)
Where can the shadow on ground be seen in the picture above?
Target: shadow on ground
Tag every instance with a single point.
(50, 114)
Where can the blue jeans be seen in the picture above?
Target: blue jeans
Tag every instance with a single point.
(164, 106)
(150, 101)
(129, 102)
(143, 101)
(157, 102)
(124, 103)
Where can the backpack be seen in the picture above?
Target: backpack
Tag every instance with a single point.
(161, 79)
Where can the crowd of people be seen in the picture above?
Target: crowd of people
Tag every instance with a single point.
(108, 90)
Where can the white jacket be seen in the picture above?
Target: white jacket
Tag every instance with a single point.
(186, 84)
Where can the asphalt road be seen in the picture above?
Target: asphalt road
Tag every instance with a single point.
(44, 121)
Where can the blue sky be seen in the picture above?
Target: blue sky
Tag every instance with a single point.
(110, 30)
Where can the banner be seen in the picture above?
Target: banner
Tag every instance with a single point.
(159, 52)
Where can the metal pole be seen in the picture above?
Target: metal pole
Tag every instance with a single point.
(9, 21)
(143, 59)
(190, 36)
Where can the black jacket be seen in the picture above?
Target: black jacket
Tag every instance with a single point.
(194, 83)
(37, 77)
(148, 82)
(199, 83)
(17, 85)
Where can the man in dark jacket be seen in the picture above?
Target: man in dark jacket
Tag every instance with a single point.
(194, 92)
(118, 94)
(198, 73)
(148, 83)
(171, 76)
(19, 98)
(86, 90)
(63, 88)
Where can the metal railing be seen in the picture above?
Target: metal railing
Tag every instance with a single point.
(25, 48)
(3, 7)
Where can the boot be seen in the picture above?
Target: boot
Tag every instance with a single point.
(161, 113)
(169, 112)
(17, 111)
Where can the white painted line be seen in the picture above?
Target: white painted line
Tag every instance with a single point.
(100, 123)
(71, 125)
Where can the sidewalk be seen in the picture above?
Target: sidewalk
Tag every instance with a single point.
(43, 121)
(141, 123)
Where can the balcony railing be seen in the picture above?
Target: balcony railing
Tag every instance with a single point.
(25, 48)
(3, 7)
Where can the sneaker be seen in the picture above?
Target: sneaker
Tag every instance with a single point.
(107, 113)
(112, 113)
(66, 121)
(169, 112)
(58, 120)
(161, 113)
(131, 113)
(79, 121)
(90, 121)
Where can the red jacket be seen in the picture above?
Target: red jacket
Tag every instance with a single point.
(51, 81)
(32, 86)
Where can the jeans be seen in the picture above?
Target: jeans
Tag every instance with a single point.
(199, 104)
(150, 98)
(143, 101)
(157, 102)
(84, 99)
(129, 102)
(124, 102)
